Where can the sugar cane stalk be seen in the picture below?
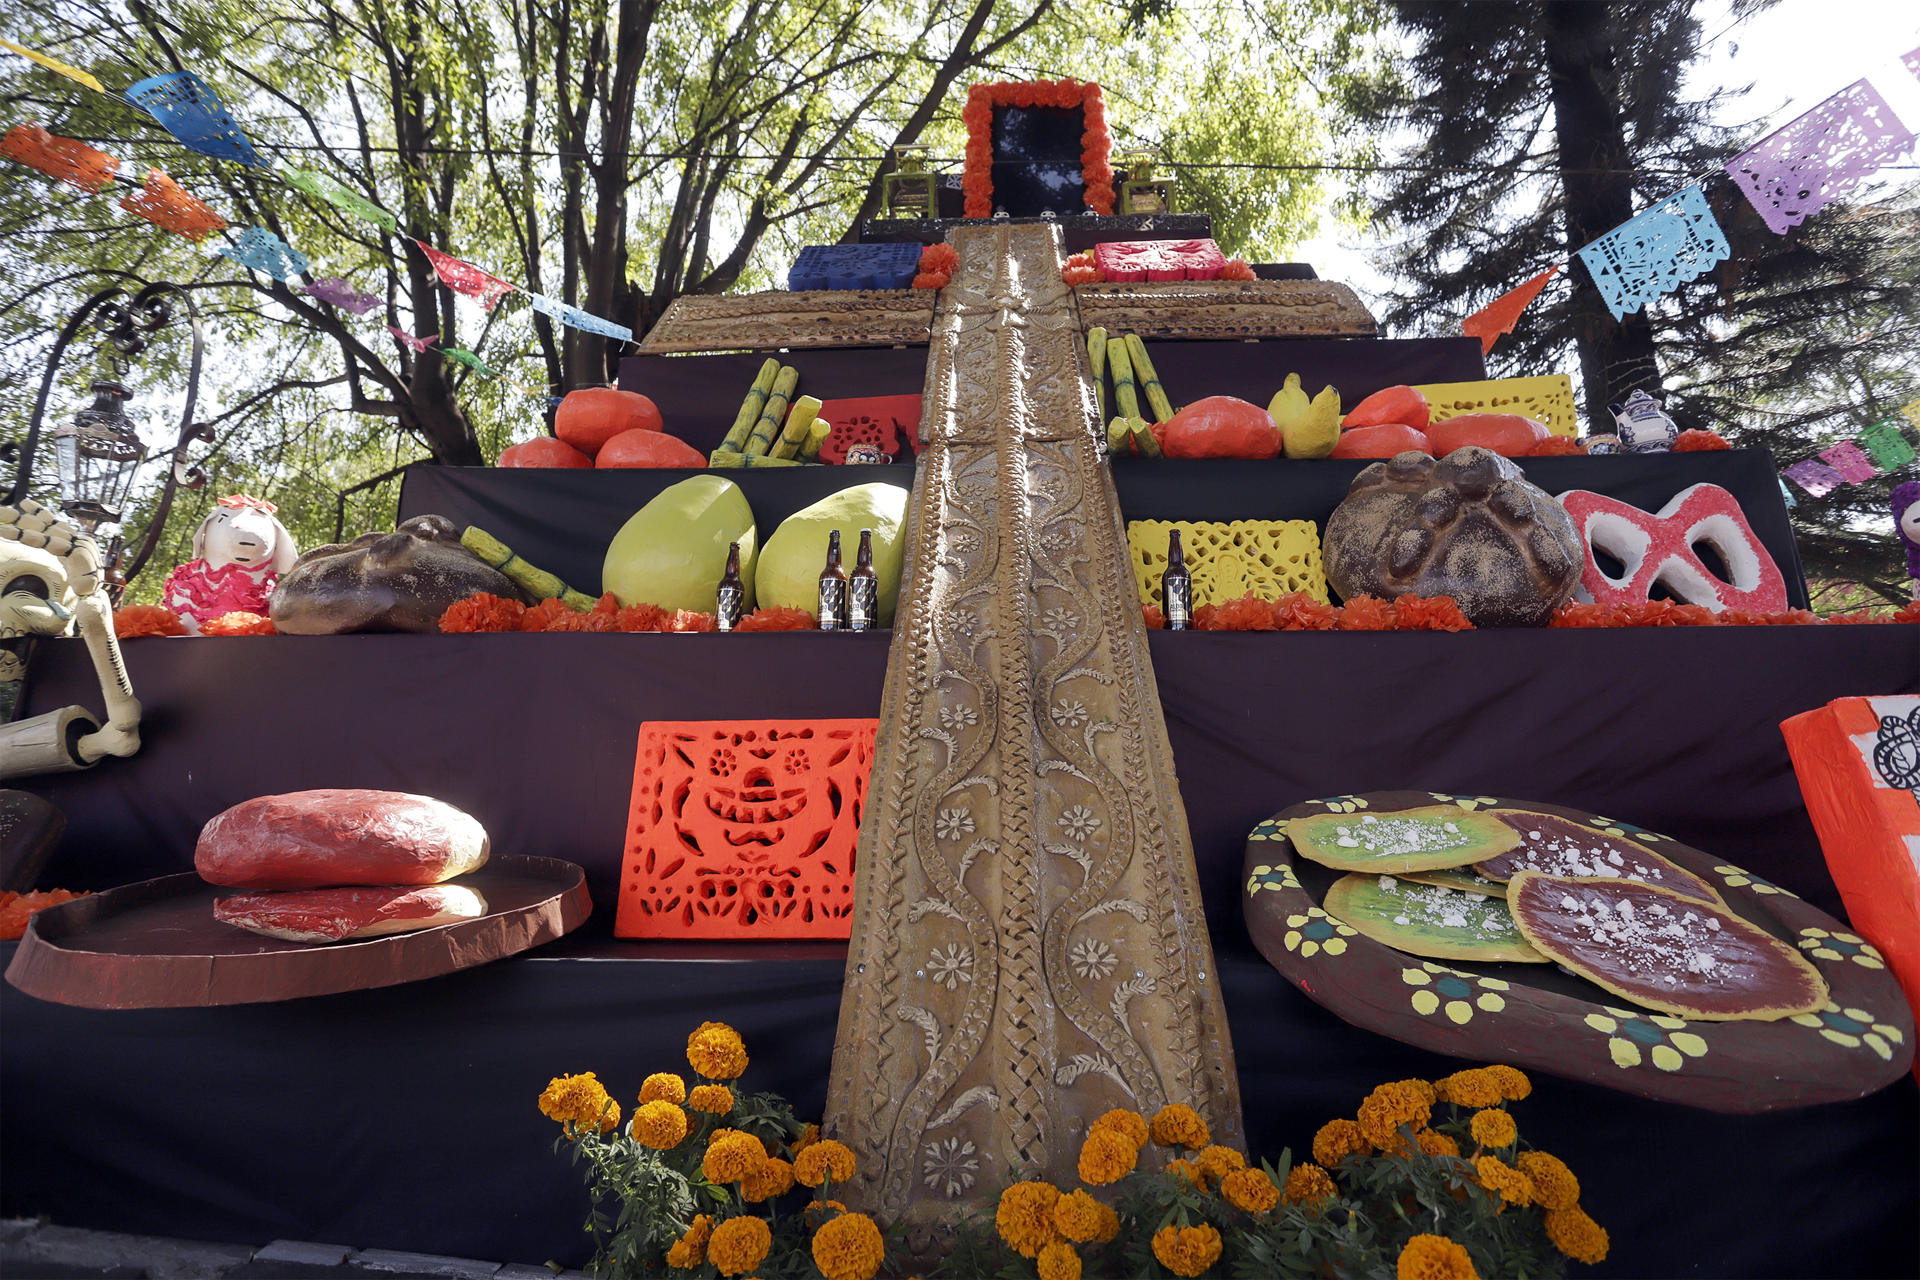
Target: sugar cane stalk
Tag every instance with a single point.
(1119, 436)
(1156, 394)
(760, 440)
(794, 434)
(1143, 437)
(727, 458)
(1097, 356)
(750, 408)
(540, 584)
(816, 436)
(1126, 397)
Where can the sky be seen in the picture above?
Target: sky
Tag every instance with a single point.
(1794, 54)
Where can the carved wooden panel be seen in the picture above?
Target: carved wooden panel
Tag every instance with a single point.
(1228, 309)
(1028, 946)
(811, 318)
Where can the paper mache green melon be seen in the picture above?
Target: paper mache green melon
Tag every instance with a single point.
(673, 551)
(1751, 1002)
(788, 575)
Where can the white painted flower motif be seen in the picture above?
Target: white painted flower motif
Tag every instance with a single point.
(1079, 823)
(1061, 618)
(956, 718)
(1070, 715)
(950, 967)
(949, 1167)
(1092, 958)
(953, 823)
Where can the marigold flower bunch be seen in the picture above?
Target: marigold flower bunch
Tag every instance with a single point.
(704, 1143)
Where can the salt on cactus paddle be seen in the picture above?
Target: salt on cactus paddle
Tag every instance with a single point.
(1429, 920)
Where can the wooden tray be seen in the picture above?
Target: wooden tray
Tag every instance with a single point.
(1541, 1017)
(156, 945)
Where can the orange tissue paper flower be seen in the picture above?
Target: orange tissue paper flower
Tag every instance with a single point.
(776, 618)
(1298, 611)
(1429, 613)
(689, 620)
(1237, 269)
(17, 908)
(138, 620)
(1365, 613)
(237, 623)
(641, 617)
(931, 280)
(482, 611)
(1696, 441)
(1248, 613)
(540, 617)
(1157, 621)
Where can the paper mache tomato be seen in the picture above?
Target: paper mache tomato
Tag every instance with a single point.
(640, 448)
(591, 416)
(1219, 427)
(1507, 434)
(544, 451)
(1380, 442)
(1389, 405)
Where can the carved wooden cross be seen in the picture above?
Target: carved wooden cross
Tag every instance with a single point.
(1029, 948)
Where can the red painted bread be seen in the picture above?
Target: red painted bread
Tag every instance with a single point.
(336, 915)
(324, 839)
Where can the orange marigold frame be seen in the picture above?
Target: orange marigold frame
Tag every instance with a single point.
(1096, 144)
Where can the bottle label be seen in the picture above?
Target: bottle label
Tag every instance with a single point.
(727, 605)
(832, 603)
(863, 603)
(1179, 604)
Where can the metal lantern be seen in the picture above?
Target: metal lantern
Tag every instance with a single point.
(97, 455)
(908, 192)
(1142, 192)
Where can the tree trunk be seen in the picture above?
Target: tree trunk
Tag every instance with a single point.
(1595, 174)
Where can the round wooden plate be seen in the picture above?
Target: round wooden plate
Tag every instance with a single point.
(1541, 1017)
(156, 945)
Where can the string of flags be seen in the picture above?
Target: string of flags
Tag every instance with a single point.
(1787, 176)
(191, 111)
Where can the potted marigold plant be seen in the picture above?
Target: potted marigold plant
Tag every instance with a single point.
(701, 1181)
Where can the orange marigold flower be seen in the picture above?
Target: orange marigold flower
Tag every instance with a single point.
(1429, 613)
(238, 623)
(1187, 1251)
(939, 257)
(1493, 1128)
(732, 1156)
(1106, 1156)
(930, 280)
(1024, 1217)
(1694, 440)
(810, 1134)
(849, 1248)
(716, 1051)
(1337, 1140)
(1129, 1124)
(1577, 1235)
(1495, 1174)
(1237, 269)
(1556, 446)
(1309, 1184)
(1364, 613)
(714, 1099)
(1217, 1162)
(739, 1244)
(823, 1160)
(1436, 1144)
(1554, 1185)
(482, 611)
(1474, 1087)
(1179, 1125)
(1513, 1082)
(1059, 1261)
(663, 1086)
(137, 620)
(581, 1101)
(659, 1124)
(1084, 1220)
(1193, 1173)
(772, 1178)
(1390, 1107)
(776, 618)
(1428, 1257)
(1082, 275)
(690, 1250)
(1252, 1191)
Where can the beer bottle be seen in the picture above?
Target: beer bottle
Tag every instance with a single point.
(1176, 586)
(863, 588)
(732, 594)
(833, 588)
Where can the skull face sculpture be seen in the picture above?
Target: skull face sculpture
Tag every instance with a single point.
(49, 578)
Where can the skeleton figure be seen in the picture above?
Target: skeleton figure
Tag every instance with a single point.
(50, 577)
